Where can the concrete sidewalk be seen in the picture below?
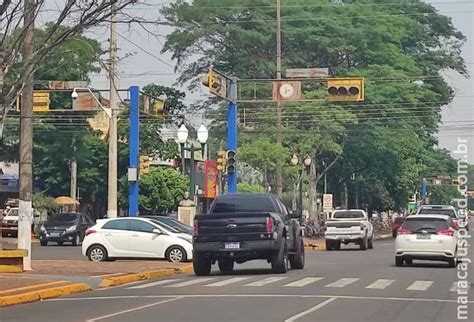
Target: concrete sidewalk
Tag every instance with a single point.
(52, 278)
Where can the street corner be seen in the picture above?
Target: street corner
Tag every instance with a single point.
(145, 275)
(42, 291)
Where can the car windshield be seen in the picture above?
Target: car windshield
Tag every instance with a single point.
(428, 224)
(348, 214)
(174, 224)
(438, 211)
(244, 204)
(64, 217)
(13, 213)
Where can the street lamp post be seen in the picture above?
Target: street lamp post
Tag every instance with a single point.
(202, 134)
(305, 164)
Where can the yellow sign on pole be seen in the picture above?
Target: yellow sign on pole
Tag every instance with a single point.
(41, 101)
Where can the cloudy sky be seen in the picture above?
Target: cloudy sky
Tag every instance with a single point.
(142, 64)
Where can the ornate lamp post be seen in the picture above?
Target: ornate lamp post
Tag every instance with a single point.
(305, 164)
(203, 135)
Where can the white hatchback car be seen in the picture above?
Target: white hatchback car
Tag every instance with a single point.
(427, 237)
(135, 238)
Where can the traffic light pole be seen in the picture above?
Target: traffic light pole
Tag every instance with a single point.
(232, 134)
(134, 152)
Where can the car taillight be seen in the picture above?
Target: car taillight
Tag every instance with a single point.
(195, 228)
(447, 231)
(456, 223)
(269, 225)
(90, 231)
(403, 231)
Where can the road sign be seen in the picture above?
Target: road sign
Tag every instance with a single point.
(307, 72)
(327, 202)
(286, 90)
(40, 101)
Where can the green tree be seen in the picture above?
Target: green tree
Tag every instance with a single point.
(246, 187)
(161, 190)
(400, 49)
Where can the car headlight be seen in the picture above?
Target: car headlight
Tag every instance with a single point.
(71, 229)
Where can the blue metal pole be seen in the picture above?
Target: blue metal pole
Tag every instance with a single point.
(232, 134)
(134, 140)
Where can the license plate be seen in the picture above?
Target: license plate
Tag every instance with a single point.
(423, 236)
(232, 245)
(54, 234)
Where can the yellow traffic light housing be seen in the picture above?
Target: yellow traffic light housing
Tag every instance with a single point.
(221, 161)
(144, 164)
(346, 89)
(159, 108)
(216, 82)
(231, 161)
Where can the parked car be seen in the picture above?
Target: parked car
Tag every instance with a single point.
(427, 237)
(65, 227)
(246, 226)
(396, 224)
(349, 226)
(172, 222)
(9, 221)
(116, 238)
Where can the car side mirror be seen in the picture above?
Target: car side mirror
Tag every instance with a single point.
(157, 231)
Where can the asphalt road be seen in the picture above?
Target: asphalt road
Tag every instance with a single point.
(346, 285)
(50, 252)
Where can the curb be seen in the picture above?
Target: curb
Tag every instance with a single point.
(383, 236)
(46, 293)
(129, 278)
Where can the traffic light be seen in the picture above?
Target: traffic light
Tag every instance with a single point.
(346, 89)
(221, 161)
(231, 161)
(144, 164)
(216, 82)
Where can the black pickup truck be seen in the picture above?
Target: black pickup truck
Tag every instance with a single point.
(242, 227)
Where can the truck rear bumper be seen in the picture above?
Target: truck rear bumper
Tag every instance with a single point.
(348, 237)
(247, 249)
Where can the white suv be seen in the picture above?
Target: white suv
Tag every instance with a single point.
(426, 237)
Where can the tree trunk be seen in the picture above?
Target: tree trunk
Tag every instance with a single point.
(312, 191)
(345, 196)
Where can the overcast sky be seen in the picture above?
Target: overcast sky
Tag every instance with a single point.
(142, 64)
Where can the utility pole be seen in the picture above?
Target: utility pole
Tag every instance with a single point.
(112, 179)
(2, 99)
(279, 136)
(25, 213)
(73, 172)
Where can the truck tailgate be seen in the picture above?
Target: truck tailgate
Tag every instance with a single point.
(231, 226)
(342, 227)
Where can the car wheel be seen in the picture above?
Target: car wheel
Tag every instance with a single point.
(201, 265)
(364, 243)
(337, 245)
(398, 261)
(97, 253)
(43, 242)
(226, 265)
(77, 240)
(409, 261)
(329, 244)
(280, 259)
(176, 254)
(371, 242)
(394, 234)
(60, 243)
(297, 260)
(452, 262)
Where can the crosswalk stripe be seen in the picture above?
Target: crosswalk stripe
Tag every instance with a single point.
(380, 284)
(420, 286)
(152, 284)
(228, 281)
(266, 281)
(342, 282)
(304, 281)
(191, 282)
